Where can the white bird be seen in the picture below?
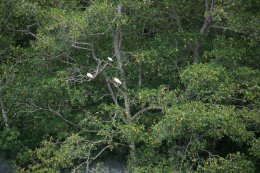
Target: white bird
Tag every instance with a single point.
(116, 80)
(110, 59)
(90, 75)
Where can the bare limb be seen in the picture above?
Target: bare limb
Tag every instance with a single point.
(4, 113)
(55, 112)
(104, 73)
(59, 115)
(89, 160)
(185, 153)
(140, 75)
(144, 110)
(209, 7)
(80, 47)
(117, 37)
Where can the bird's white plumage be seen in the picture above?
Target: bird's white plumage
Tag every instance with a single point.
(90, 75)
(110, 59)
(116, 80)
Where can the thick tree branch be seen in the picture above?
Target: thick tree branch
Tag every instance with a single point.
(209, 7)
(140, 75)
(49, 109)
(4, 113)
(104, 73)
(117, 37)
(145, 110)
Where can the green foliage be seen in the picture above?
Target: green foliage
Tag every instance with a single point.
(232, 163)
(208, 82)
(194, 119)
(255, 148)
(190, 96)
(9, 142)
(248, 86)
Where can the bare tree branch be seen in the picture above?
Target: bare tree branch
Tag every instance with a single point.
(104, 73)
(49, 109)
(209, 7)
(140, 74)
(144, 110)
(117, 48)
(4, 113)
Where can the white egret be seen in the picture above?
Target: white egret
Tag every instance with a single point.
(116, 80)
(90, 75)
(110, 59)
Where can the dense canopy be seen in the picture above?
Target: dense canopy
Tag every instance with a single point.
(92, 86)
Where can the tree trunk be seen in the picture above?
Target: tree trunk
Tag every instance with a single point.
(209, 7)
(4, 113)
(196, 53)
(120, 61)
(140, 74)
(117, 36)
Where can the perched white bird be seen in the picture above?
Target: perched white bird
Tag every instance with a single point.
(110, 59)
(116, 80)
(90, 75)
